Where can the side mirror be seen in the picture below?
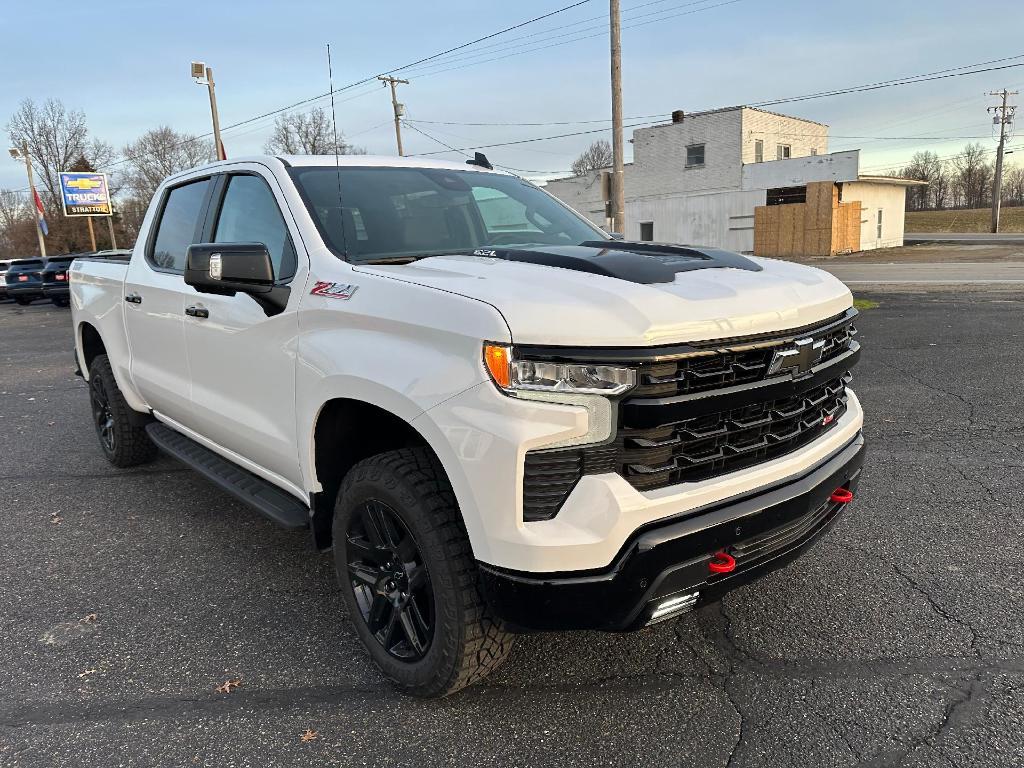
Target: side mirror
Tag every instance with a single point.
(229, 268)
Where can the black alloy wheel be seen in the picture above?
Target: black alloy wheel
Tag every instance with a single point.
(390, 581)
(102, 415)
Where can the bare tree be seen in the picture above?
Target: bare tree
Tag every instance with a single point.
(56, 138)
(598, 155)
(1013, 184)
(159, 153)
(307, 133)
(15, 223)
(924, 166)
(972, 176)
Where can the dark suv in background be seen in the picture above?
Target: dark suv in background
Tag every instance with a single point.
(55, 279)
(25, 280)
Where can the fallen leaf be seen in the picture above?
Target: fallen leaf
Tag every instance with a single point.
(309, 735)
(89, 618)
(87, 673)
(228, 686)
(55, 519)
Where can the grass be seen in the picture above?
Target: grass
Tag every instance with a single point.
(863, 304)
(968, 220)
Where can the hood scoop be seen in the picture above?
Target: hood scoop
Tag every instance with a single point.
(644, 263)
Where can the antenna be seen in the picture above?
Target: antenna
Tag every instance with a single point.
(337, 160)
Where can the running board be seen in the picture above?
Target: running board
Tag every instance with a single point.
(264, 497)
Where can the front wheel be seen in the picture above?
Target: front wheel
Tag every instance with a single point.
(121, 430)
(408, 576)
(61, 302)
(23, 301)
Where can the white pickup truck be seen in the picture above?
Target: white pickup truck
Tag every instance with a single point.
(498, 417)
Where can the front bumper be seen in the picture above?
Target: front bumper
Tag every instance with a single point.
(662, 570)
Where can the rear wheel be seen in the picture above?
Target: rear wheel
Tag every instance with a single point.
(23, 300)
(408, 576)
(62, 302)
(121, 431)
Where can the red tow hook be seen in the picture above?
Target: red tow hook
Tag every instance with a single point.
(841, 496)
(723, 562)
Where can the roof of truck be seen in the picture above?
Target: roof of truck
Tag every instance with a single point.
(381, 161)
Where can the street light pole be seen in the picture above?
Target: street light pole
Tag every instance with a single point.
(203, 75)
(22, 153)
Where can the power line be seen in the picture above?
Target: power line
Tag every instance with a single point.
(941, 74)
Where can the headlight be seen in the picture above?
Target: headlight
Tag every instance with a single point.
(570, 378)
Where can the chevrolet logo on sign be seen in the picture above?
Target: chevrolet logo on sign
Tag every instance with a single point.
(798, 359)
(83, 183)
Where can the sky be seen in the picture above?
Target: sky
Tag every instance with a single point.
(125, 64)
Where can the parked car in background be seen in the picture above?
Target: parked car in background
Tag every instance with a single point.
(55, 279)
(4, 266)
(25, 280)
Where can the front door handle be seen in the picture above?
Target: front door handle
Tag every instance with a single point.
(133, 298)
(197, 312)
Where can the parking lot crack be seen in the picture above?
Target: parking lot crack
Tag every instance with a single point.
(939, 609)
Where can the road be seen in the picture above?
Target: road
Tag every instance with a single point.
(129, 596)
(950, 273)
(974, 238)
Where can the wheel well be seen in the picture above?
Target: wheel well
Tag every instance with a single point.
(348, 431)
(92, 345)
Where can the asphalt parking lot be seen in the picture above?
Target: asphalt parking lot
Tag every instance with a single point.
(128, 597)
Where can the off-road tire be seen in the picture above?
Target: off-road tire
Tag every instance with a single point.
(131, 445)
(469, 641)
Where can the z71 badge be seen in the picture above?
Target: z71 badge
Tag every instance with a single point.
(334, 290)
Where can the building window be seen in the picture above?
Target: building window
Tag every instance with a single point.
(879, 223)
(783, 152)
(786, 195)
(814, 150)
(646, 231)
(759, 151)
(694, 155)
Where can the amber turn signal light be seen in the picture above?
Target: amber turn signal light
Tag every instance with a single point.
(496, 358)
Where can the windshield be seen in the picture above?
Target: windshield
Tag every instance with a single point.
(409, 213)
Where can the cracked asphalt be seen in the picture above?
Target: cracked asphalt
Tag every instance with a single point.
(127, 597)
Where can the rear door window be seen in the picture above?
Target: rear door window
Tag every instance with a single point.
(176, 229)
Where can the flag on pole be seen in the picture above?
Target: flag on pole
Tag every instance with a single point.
(40, 215)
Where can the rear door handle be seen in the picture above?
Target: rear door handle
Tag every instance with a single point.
(133, 298)
(197, 312)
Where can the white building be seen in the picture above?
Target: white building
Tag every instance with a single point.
(700, 178)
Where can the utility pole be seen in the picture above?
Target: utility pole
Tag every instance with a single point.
(1004, 117)
(203, 75)
(398, 107)
(618, 165)
(22, 153)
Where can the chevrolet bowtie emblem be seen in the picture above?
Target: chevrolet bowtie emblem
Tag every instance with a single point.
(798, 359)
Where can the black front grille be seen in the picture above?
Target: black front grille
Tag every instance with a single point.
(669, 430)
(724, 441)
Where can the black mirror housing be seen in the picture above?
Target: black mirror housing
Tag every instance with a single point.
(229, 268)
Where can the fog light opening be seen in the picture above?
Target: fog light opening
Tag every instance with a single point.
(673, 606)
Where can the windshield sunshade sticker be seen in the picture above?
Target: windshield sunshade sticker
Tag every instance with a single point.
(334, 290)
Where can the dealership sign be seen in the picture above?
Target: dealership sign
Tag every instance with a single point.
(85, 194)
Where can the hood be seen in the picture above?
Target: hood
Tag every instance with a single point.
(578, 304)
